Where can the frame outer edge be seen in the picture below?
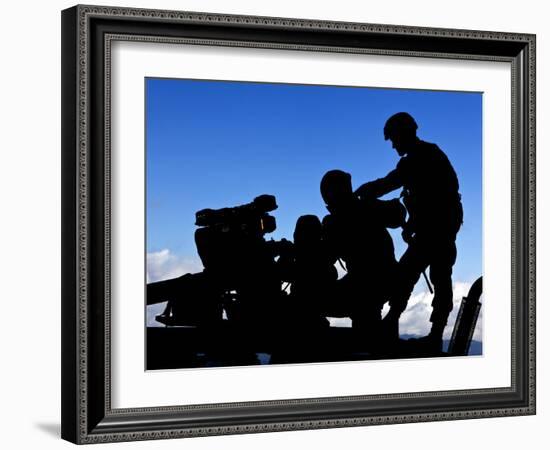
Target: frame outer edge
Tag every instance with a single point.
(75, 215)
(296, 23)
(83, 237)
(531, 143)
(69, 288)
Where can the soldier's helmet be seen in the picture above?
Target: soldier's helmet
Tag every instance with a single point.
(308, 229)
(336, 187)
(400, 124)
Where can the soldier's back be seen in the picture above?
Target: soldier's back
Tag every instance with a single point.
(427, 171)
(360, 238)
(431, 188)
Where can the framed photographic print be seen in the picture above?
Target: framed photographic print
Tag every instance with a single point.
(281, 224)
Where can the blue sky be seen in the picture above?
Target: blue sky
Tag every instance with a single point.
(211, 144)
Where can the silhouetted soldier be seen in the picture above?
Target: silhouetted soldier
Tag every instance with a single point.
(310, 269)
(430, 193)
(355, 231)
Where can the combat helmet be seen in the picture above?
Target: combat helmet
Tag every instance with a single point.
(400, 123)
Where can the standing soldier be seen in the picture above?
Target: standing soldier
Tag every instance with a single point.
(430, 194)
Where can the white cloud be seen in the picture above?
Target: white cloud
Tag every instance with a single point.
(340, 268)
(152, 312)
(340, 322)
(163, 265)
(415, 319)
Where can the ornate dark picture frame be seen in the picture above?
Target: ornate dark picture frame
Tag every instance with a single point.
(87, 414)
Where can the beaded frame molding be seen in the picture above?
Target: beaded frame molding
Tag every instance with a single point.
(87, 35)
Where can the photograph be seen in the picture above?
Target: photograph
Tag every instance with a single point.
(276, 223)
(300, 223)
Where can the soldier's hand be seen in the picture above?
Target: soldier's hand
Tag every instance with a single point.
(285, 246)
(286, 243)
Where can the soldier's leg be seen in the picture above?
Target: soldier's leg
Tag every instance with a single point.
(409, 268)
(441, 269)
(367, 312)
(408, 271)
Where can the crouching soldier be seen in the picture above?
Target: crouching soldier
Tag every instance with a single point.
(311, 273)
(356, 233)
(309, 269)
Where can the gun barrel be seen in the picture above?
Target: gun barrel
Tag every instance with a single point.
(162, 291)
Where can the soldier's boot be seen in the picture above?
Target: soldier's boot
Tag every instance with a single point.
(432, 344)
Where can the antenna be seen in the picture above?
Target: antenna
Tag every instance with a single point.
(466, 321)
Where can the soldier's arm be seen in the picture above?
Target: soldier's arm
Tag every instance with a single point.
(381, 186)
